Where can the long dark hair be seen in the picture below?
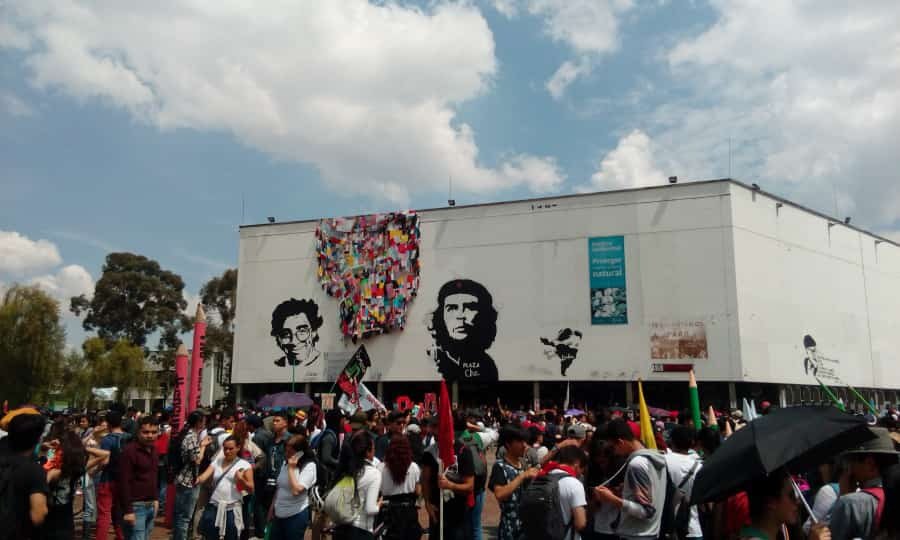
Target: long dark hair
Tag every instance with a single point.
(398, 458)
(74, 456)
(353, 463)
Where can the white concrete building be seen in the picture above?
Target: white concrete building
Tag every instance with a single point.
(620, 285)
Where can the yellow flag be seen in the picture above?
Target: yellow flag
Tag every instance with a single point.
(647, 436)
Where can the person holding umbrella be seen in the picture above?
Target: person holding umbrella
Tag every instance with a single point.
(859, 510)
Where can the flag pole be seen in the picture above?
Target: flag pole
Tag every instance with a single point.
(441, 499)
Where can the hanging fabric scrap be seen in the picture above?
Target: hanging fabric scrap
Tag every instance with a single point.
(370, 264)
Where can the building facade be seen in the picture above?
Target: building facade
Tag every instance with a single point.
(529, 299)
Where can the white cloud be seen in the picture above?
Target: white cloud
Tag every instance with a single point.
(809, 94)
(20, 255)
(507, 8)
(629, 165)
(541, 175)
(68, 281)
(589, 27)
(14, 105)
(365, 92)
(566, 75)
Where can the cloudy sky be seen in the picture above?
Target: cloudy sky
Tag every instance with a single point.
(142, 126)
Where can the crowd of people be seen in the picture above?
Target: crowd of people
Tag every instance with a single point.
(238, 473)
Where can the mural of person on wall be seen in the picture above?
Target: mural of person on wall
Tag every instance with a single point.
(295, 327)
(564, 347)
(464, 327)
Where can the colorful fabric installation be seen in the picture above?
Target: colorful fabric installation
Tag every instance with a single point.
(371, 265)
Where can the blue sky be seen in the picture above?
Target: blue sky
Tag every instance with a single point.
(141, 126)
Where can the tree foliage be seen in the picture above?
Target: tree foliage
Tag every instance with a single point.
(32, 340)
(134, 298)
(218, 297)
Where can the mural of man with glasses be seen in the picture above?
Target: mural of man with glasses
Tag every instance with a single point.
(295, 327)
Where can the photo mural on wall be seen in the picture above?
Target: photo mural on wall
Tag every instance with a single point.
(564, 347)
(295, 327)
(464, 327)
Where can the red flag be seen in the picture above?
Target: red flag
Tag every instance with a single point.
(445, 434)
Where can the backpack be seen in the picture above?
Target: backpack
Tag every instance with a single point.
(681, 519)
(7, 500)
(473, 442)
(116, 451)
(342, 503)
(540, 511)
(174, 459)
(323, 475)
(878, 493)
(667, 525)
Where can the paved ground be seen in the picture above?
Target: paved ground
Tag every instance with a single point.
(490, 517)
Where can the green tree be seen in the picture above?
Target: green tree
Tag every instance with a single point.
(134, 298)
(218, 297)
(32, 340)
(119, 364)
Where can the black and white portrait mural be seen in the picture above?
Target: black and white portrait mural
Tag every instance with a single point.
(295, 327)
(464, 327)
(563, 347)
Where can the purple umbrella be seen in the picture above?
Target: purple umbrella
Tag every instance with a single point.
(574, 412)
(285, 400)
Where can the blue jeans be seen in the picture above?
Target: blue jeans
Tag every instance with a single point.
(143, 523)
(185, 500)
(473, 517)
(89, 490)
(290, 528)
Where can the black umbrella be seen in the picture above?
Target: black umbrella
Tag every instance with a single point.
(285, 400)
(796, 438)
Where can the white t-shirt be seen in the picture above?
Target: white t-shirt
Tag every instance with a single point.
(571, 495)
(226, 490)
(389, 487)
(286, 503)
(680, 466)
(367, 487)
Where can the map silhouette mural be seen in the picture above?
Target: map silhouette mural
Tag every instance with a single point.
(563, 347)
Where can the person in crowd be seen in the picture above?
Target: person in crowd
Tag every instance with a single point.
(230, 475)
(508, 477)
(109, 510)
(138, 491)
(327, 446)
(315, 422)
(683, 466)
(470, 435)
(644, 491)
(400, 487)
(861, 504)
(571, 461)
(458, 479)
(890, 518)
(395, 424)
(62, 480)
(251, 453)
(27, 481)
(290, 507)
(186, 491)
(359, 465)
(262, 438)
(826, 496)
(428, 437)
(773, 503)
(536, 450)
(162, 450)
(274, 462)
(602, 464)
(414, 434)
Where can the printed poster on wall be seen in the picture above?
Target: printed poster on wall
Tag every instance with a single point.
(609, 302)
(681, 340)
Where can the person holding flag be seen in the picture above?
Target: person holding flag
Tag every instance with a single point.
(448, 475)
